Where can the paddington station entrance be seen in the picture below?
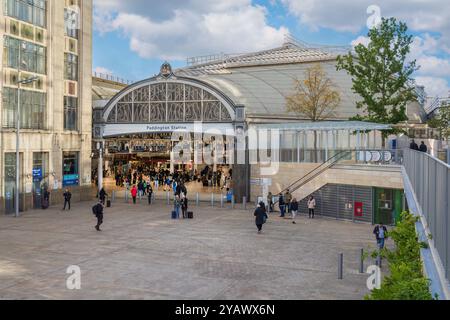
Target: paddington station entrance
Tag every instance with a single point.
(173, 125)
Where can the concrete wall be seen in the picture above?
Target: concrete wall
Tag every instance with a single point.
(358, 175)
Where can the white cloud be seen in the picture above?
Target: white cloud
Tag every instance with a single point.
(435, 87)
(102, 70)
(361, 40)
(345, 15)
(177, 29)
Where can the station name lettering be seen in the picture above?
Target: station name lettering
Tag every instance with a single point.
(165, 128)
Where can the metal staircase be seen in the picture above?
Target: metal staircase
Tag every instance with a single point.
(310, 176)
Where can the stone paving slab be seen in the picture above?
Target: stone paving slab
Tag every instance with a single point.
(143, 254)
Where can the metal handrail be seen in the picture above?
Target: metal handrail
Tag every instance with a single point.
(334, 159)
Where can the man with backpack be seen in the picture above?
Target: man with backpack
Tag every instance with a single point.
(97, 210)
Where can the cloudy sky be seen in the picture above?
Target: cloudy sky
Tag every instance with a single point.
(132, 38)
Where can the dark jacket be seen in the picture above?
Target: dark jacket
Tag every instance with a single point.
(261, 216)
(184, 203)
(102, 194)
(376, 232)
(423, 148)
(67, 196)
(98, 209)
(294, 206)
(414, 146)
(281, 201)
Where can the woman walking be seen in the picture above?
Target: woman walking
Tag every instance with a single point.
(261, 216)
(311, 207)
(294, 210)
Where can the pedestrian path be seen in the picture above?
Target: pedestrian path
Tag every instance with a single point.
(143, 254)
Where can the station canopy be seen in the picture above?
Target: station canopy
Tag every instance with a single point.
(322, 126)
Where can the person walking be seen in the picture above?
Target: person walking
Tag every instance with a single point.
(150, 194)
(177, 206)
(312, 207)
(102, 196)
(294, 210)
(380, 233)
(288, 200)
(67, 198)
(261, 216)
(184, 205)
(98, 212)
(270, 202)
(423, 147)
(282, 205)
(134, 193)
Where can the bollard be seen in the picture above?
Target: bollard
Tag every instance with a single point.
(341, 267)
(361, 262)
(233, 202)
(168, 198)
(212, 199)
(221, 201)
(244, 203)
(113, 198)
(126, 196)
(379, 261)
(198, 199)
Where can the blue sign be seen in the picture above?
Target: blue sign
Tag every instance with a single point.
(71, 180)
(37, 175)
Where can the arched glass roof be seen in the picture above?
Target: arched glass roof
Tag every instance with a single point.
(168, 100)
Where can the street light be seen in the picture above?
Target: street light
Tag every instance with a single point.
(24, 81)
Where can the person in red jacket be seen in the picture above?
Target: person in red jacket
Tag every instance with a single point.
(134, 192)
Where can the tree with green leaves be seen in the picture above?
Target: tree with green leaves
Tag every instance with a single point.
(381, 75)
(441, 122)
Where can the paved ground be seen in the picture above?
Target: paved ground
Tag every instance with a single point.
(142, 254)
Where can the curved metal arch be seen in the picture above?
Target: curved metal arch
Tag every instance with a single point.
(224, 99)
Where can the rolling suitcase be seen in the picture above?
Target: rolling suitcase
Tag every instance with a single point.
(174, 215)
(190, 215)
(108, 204)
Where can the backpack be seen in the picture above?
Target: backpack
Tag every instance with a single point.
(94, 210)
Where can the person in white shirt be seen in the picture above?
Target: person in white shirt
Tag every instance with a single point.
(311, 207)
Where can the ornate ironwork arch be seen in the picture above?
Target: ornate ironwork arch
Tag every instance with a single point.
(169, 100)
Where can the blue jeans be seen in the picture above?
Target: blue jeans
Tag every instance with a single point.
(283, 210)
(381, 243)
(177, 210)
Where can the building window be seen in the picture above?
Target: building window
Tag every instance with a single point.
(70, 67)
(33, 56)
(71, 176)
(33, 108)
(71, 23)
(31, 11)
(70, 113)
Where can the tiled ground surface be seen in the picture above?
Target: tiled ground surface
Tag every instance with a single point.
(142, 254)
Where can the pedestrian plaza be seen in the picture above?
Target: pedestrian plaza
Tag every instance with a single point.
(143, 254)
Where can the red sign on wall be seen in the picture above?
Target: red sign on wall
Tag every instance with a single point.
(359, 209)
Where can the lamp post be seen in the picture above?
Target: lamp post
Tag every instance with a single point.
(100, 147)
(19, 82)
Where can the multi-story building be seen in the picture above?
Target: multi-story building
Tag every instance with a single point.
(49, 41)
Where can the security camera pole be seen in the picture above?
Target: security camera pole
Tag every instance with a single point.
(19, 82)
